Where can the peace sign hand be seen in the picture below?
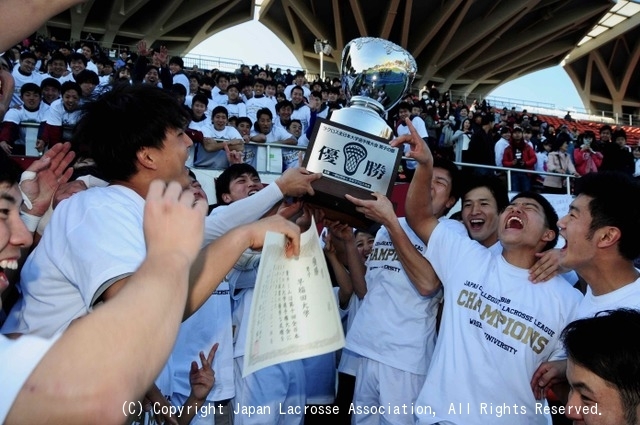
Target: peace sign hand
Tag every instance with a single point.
(202, 379)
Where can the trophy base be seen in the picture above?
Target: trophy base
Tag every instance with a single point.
(330, 198)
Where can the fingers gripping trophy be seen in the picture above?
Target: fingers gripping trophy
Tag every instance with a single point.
(351, 149)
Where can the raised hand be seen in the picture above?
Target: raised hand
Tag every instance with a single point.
(379, 210)
(42, 178)
(419, 149)
(297, 182)
(233, 156)
(142, 48)
(203, 378)
(277, 224)
(173, 221)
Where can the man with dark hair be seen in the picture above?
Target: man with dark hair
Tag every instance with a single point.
(617, 156)
(300, 109)
(242, 198)
(401, 282)
(148, 143)
(284, 109)
(299, 80)
(481, 145)
(176, 65)
(219, 92)
(88, 81)
(13, 136)
(23, 74)
(57, 66)
(490, 304)
(50, 90)
(602, 233)
(259, 101)
(483, 199)
(605, 138)
(404, 111)
(603, 368)
(77, 63)
(35, 368)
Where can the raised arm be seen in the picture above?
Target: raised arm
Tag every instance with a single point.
(217, 258)
(417, 267)
(19, 19)
(342, 278)
(418, 203)
(116, 337)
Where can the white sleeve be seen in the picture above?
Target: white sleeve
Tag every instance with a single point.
(232, 133)
(114, 238)
(420, 126)
(18, 359)
(499, 153)
(12, 115)
(53, 115)
(244, 211)
(449, 250)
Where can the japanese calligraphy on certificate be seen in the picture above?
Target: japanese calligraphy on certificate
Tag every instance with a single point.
(294, 313)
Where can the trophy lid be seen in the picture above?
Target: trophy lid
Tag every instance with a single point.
(376, 71)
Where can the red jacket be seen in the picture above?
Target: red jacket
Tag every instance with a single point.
(529, 158)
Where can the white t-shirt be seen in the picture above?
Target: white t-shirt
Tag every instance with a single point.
(276, 135)
(57, 115)
(497, 328)
(244, 273)
(211, 323)
(181, 78)
(236, 109)
(499, 149)
(393, 312)
(18, 358)
(254, 104)
(19, 81)
(18, 116)
(421, 128)
(626, 297)
(302, 113)
(94, 239)
(218, 159)
(287, 91)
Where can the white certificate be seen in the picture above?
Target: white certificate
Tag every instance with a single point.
(294, 313)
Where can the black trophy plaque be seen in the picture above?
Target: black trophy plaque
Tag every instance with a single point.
(350, 161)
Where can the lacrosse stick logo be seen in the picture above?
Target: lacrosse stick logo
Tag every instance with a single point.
(354, 153)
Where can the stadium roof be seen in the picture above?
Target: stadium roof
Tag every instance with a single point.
(464, 45)
(178, 24)
(470, 46)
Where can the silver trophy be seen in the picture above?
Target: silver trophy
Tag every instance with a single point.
(351, 149)
(376, 74)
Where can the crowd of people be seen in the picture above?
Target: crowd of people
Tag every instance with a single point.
(44, 72)
(470, 321)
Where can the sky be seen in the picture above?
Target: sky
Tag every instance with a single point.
(551, 85)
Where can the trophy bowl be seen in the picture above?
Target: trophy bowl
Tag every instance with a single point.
(376, 69)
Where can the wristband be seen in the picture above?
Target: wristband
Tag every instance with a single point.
(30, 221)
(26, 175)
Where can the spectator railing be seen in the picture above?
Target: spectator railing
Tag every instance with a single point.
(266, 166)
(566, 177)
